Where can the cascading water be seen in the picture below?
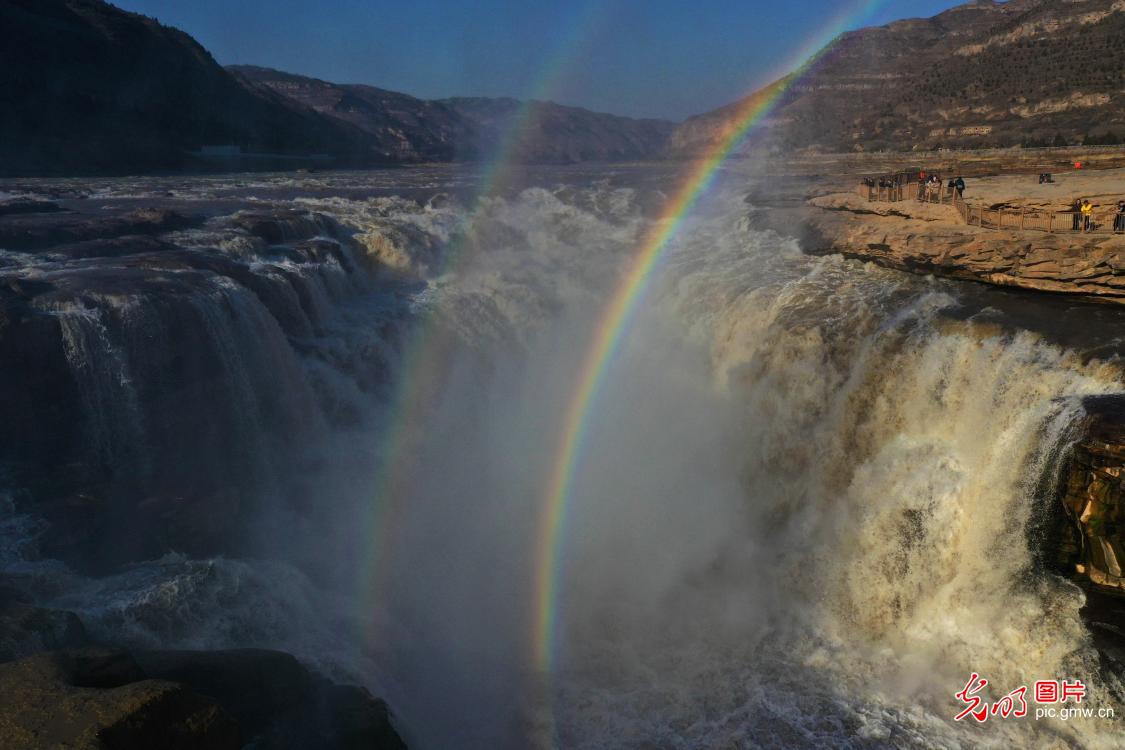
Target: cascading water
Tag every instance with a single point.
(802, 508)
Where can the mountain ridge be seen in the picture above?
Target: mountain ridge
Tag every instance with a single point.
(467, 127)
(89, 88)
(982, 74)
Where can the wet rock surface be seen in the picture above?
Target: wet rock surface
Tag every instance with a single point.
(37, 231)
(1081, 527)
(27, 206)
(128, 333)
(81, 696)
(26, 629)
(101, 699)
(155, 399)
(1094, 496)
(277, 701)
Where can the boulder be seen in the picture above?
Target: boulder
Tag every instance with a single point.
(96, 699)
(38, 231)
(27, 206)
(281, 225)
(115, 247)
(26, 629)
(277, 701)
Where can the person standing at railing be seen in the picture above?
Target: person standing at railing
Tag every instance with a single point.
(959, 184)
(1119, 219)
(1076, 214)
(1087, 216)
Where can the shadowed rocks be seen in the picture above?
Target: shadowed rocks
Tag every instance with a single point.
(96, 699)
(27, 206)
(101, 698)
(37, 231)
(277, 701)
(151, 391)
(26, 629)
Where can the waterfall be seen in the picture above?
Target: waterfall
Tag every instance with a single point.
(111, 411)
(804, 507)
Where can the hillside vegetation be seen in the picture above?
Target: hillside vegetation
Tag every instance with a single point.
(984, 74)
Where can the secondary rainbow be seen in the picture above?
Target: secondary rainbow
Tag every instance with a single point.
(426, 350)
(615, 319)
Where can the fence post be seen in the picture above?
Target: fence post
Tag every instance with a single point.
(1021, 218)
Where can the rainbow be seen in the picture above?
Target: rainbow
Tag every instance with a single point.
(425, 352)
(615, 319)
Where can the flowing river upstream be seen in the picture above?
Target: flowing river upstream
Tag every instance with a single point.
(324, 417)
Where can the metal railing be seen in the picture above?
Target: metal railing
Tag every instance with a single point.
(997, 218)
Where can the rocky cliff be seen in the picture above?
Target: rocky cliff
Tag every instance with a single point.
(924, 238)
(981, 74)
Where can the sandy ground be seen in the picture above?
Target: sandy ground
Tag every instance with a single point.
(1103, 187)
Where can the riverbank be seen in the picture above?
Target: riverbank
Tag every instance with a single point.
(934, 239)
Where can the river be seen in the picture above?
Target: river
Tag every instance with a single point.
(323, 418)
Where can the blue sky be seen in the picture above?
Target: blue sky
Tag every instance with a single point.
(645, 58)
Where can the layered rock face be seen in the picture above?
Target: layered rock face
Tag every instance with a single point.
(981, 74)
(932, 239)
(1094, 497)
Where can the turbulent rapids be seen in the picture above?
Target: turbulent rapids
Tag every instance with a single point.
(320, 414)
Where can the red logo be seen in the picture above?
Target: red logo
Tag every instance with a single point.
(976, 707)
(1014, 704)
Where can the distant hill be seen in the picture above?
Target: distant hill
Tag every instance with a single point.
(982, 74)
(404, 128)
(88, 88)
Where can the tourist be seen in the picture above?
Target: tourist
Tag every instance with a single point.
(959, 183)
(1076, 211)
(1119, 219)
(1087, 216)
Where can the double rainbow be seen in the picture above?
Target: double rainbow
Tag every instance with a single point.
(426, 350)
(615, 319)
